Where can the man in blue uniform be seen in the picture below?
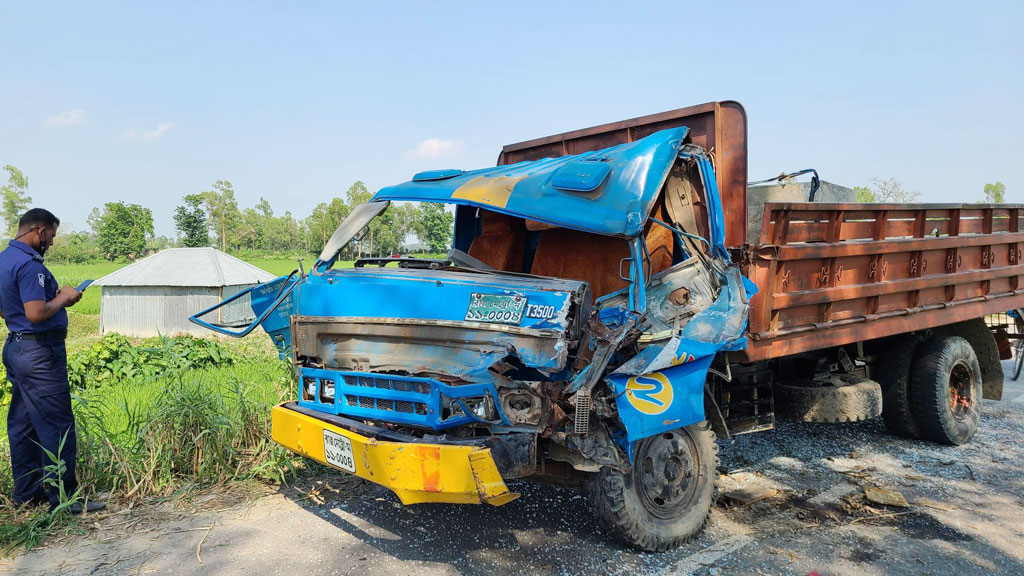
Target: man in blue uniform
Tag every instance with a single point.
(40, 415)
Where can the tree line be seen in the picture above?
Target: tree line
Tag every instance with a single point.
(890, 190)
(124, 231)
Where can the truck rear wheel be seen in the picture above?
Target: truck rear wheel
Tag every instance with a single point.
(894, 376)
(665, 499)
(946, 388)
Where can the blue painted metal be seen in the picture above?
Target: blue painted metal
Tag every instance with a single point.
(715, 214)
(433, 298)
(261, 315)
(398, 399)
(618, 207)
(646, 407)
(426, 295)
(581, 175)
(443, 174)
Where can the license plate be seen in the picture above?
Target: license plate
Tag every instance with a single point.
(338, 451)
(496, 308)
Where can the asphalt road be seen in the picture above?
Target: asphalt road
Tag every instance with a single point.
(966, 516)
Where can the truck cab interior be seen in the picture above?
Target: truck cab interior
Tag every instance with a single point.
(514, 244)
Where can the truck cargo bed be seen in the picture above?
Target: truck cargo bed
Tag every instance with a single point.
(833, 274)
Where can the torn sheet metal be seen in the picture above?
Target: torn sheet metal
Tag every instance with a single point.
(661, 388)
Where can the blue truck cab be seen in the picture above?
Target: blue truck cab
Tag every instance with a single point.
(569, 332)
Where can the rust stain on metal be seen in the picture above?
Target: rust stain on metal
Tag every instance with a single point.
(430, 462)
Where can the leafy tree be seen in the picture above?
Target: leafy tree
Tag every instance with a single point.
(222, 210)
(190, 221)
(406, 222)
(325, 219)
(15, 198)
(864, 194)
(994, 193)
(357, 194)
(438, 226)
(122, 230)
(74, 248)
(161, 243)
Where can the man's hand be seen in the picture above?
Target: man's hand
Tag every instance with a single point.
(69, 296)
(38, 311)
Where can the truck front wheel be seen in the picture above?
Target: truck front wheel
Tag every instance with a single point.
(946, 388)
(665, 499)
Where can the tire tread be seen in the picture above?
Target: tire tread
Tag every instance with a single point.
(607, 492)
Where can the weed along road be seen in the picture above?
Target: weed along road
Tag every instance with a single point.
(965, 515)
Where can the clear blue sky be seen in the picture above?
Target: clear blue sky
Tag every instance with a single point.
(294, 101)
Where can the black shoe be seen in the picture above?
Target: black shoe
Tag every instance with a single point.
(91, 506)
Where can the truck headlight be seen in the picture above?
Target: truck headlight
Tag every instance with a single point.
(482, 408)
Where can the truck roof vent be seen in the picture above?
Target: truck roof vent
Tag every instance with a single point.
(581, 175)
(431, 175)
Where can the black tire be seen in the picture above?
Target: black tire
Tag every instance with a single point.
(894, 376)
(852, 399)
(666, 498)
(946, 388)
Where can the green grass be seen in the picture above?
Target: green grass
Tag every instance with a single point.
(75, 274)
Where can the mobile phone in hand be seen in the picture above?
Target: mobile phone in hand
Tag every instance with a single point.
(81, 287)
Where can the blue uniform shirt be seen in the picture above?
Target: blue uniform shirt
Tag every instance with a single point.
(23, 278)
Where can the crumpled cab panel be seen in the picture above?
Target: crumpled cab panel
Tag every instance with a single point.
(431, 348)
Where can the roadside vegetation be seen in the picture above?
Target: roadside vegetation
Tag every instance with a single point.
(158, 418)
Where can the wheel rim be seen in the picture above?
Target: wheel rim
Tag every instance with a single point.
(961, 390)
(666, 473)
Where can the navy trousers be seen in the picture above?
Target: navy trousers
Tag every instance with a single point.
(39, 418)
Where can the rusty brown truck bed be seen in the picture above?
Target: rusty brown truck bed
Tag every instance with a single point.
(833, 274)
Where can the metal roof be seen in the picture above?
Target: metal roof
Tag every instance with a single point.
(608, 191)
(205, 267)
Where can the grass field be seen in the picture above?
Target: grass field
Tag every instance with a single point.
(75, 274)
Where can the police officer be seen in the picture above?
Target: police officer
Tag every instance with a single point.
(40, 415)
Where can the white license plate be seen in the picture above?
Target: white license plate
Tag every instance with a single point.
(496, 308)
(338, 451)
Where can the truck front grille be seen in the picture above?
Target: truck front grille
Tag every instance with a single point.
(424, 402)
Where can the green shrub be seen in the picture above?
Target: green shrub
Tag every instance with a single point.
(186, 430)
(116, 357)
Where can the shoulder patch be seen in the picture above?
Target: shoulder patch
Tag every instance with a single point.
(42, 280)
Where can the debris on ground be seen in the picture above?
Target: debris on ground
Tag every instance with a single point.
(885, 497)
(748, 495)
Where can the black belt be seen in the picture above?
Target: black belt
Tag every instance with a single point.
(58, 334)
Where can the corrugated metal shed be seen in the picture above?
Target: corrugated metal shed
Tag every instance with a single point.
(156, 295)
(187, 267)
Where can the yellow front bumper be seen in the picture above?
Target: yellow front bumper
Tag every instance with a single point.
(415, 472)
